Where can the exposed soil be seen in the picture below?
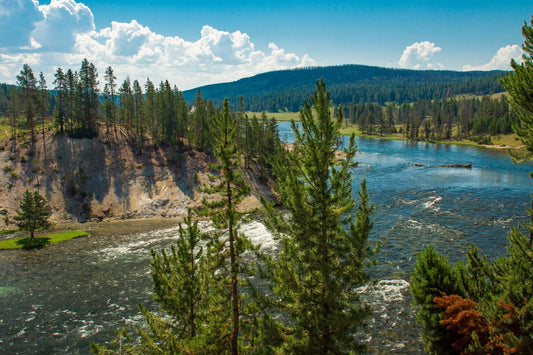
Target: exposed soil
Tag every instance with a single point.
(106, 178)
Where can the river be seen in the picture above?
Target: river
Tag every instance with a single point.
(60, 298)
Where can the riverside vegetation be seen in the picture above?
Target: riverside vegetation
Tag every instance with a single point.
(477, 306)
(215, 298)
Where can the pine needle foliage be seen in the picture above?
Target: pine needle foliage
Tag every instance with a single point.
(323, 245)
(433, 277)
(519, 85)
(33, 213)
(229, 189)
(189, 318)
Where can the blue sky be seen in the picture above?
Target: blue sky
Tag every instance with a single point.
(194, 43)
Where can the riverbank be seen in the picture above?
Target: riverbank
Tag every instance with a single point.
(507, 141)
(116, 226)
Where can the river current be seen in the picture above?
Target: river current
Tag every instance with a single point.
(61, 298)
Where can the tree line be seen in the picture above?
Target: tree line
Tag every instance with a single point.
(287, 89)
(290, 99)
(446, 119)
(142, 113)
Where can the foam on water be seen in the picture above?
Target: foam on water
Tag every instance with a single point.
(390, 301)
(259, 235)
(432, 200)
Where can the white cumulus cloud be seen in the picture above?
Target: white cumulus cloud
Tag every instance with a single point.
(501, 60)
(17, 21)
(63, 19)
(63, 33)
(419, 55)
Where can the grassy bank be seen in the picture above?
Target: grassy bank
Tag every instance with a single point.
(504, 141)
(507, 141)
(278, 116)
(28, 243)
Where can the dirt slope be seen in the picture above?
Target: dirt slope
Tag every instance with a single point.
(96, 179)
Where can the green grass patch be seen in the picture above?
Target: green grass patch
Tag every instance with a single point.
(278, 116)
(29, 243)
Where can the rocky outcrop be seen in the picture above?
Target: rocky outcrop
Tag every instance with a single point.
(96, 179)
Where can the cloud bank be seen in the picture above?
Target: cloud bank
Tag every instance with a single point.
(419, 55)
(63, 33)
(501, 60)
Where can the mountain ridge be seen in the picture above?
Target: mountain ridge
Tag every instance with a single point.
(351, 79)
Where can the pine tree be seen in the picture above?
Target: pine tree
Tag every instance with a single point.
(33, 213)
(126, 104)
(150, 110)
(42, 106)
(519, 85)
(139, 114)
(323, 245)
(433, 277)
(514, 296)
(72, 107)
(166, 105)
(188, 321)
(109, 97)
(230, 189)
(182, 287)
(28, 84)
(59, 110)
(88, 95)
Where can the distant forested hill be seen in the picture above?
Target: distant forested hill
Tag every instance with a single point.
(286, 89)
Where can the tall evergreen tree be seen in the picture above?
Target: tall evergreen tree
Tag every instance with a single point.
(519, 85)
(28, 84)
(42, 105)
(166, 105)
(88, 94)
(231, 190)
(72, 99)
(198, 129)
(59, 110)
(150, 108)
(323, 244)
(126, 104)
(109, 96)
(139, 114)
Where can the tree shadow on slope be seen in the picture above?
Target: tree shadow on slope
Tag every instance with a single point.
(33, 243)
(78, 161)
(166, 159)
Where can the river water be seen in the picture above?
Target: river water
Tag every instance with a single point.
(61, 298)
